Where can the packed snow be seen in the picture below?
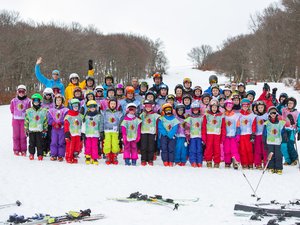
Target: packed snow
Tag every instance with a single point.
(57, 187)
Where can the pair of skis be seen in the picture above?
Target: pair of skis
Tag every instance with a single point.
(17, 203)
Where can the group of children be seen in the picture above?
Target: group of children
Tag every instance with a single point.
(215, 125)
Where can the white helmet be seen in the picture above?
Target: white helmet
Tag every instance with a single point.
(99, 87)
(21, 86)
(73, 75)
(48, 91)
(131, 105)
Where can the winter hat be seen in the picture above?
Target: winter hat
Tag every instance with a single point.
(251, 92)
(245, 101)
(55, 72)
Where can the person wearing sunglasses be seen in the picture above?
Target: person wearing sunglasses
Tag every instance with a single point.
(18, 107)
(49, 83)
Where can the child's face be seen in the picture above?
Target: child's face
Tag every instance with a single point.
(250, 97)
(205, 100)
(143, 88)
(92, 109)
(48, 96)
(171, 101)
(148, 107)
(196, 110)
(90, 97)
(227, 93)
(99, 93)
(214, 108)
(245, 107)
(236, 101)
(112, 105)
(77, 94)
(221, 102)
(21, 92)
(56, 91)
(59, 101)
(89, 83)
(290, 104)
(75, 107)
(163, 92)
(229, 106)
(178, 92)
(186, 101)
(129, 95)
(273, 115)
(198, 93)
(74, 80)
(260, 108)
(131, 110)
(281, 99)
(187, 85)
(108, 81)
(110, 94)
(150, 97)
(215, 91)
(36, 102)
(180, 111)
(120, 92)
(241, 89)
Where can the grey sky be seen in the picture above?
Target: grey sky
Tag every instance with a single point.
(181, 25)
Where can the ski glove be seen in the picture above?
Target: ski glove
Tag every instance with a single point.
(44, 134)
(102, 136)
(266, 87)
(82, 137)
(298, 137)
(252, 137)
(291, 118)
(274, 90)
(68, 135)
(285, 137)
(90, 64)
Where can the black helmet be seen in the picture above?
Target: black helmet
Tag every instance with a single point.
(283, 95)
(180, 106)
(178, 86)
(108, 76)
(205, 94)
(150, 93)
(213, 79)
(293, 100)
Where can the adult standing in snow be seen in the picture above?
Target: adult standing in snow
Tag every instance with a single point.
(213, 79)
(266, 96)
(135, 85)
(158, 80)
(49, 83)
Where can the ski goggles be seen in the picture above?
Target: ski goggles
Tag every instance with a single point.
(131, 109)
(35, 100)
(48, 95)
(92, 106)
(21, 91)
(99, 91)
(273, 113)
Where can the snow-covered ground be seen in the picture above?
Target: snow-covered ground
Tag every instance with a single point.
(55, 188)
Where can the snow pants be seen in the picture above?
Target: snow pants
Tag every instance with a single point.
(91, 147)
(259, 152)
(147, 147)
(180, 150)
(130, 150)
(36, 141)
(213, 151)
(231, 150)
(195, 149)
(19, 136)
(288, 148)
(245, 150)
(167, 149)
(73, 146)
(111, 142)
(57, 147)
(47, 142)
(276, 161)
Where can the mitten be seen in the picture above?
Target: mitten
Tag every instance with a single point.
(291, 119)
(274, 90)
(68, 136)
(266, 87)
(252, 137)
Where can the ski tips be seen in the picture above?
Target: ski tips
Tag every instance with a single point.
(270, 155)
(18, 203)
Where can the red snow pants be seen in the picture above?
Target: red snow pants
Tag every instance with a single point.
(245, 150)
(213, 149)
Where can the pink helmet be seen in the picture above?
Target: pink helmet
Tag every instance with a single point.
(228, 101)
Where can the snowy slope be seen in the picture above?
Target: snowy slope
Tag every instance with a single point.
(53, 187)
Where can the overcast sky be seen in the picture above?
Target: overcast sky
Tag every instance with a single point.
(181, 25)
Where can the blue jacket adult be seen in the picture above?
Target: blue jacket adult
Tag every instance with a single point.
(208, 90)
(49, 83)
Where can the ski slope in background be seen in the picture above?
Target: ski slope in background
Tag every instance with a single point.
(55, 188)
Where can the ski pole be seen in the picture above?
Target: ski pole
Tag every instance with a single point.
(295, 142)
(18, 203)
(244, 175)
(263, 172)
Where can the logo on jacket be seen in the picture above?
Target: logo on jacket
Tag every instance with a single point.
(92, 123)
(229, 123)
(169, 127)
(131, 127)
(214, 121)
(76, 122)
(112, 120)
(260, 122)
(245, 122)
(20, 106)
(37, 117)
(197, 125)
(57, 115)
(274, 131)
(148, 121)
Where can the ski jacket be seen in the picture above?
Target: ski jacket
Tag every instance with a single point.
(168, 126)
(36, 120)
(213, 123)
(131, 129)
(73, 123)
(149, 122)
(112, 120)
(69, 92)
(247, 122)
(268, 99)
(56, 117)
(93, 124)
(18, 107)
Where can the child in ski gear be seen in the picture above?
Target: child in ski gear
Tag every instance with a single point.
(78, 95)
(162, 94)
(248, 130)
(215, 91)
(187, 101)
(72, 129)
(151, 96)
(187, 86)
(131, 133)
(99, 94)
(181, 143)
(251, 95)
(18, 107)
(70, 89)
(213, 133)
(56, 117)
(232, 138)
(221, 99)
(167, 127)
(178, 93)
(89, 84)
(236, 102)
(36, 125)
(89, 95)
(197, 93)
(120, 91)
(148, 133)
(213, 79)
(266, 97)
(111, 92)
(205, 103)
(108, 83)
(242, 90)
(291, 115)
(129, 92)
(170, 99)
(259, 152)
(282, 102)
(227, 91)
(274, 132)
(92, 132)
(112, 118)
(193, 133)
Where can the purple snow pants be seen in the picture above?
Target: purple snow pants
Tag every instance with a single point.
(57, 146)
(19, 136)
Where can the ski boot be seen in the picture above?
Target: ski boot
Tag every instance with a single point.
(17, 153)
(227, 165)
(166, 163)
(279, 172)
(209, 164)
(258, 167)
(235, 166)
(133, 162)
(150, 163)
(127, 162)
(244, 167)
(194, 165)
(87, 159)
(294, 163)
(272, 170)
(75, 160)
(53, 158)
(108, 161)
(23, 154)
(199, 165)
(69, 160)
(217, 165)
(143, 163)
(250, 167)
(115, 159)
(171, 164)
(40, 157)
(285, 164)
(60, 159)
(95, 162)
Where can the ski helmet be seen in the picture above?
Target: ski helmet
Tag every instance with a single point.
(251, 92)
(144, 84)
(163, 86)
(130, 105)
(59, 96)
(214, 102)
(195, 105)
(206, 95)
(74, 102)
(228, 102)
(213, 79)
(272, 109)
(48, 91)
(293, 100)
(221, 96)
(90, 78)
(119, 86)
(187, 80)
(129, 90)
(167, 107)
(261, 103)
(170, 96)
(112, 99)
(157, 75)
(89, 92)
(92, 104)
(284, 95)
(108, 76)
(77, 89)
(21, 86)
(245, 101)
(178, 86)
(150, 93)
(215, 85)
(73, 75)
(197, 88)
(37, 96)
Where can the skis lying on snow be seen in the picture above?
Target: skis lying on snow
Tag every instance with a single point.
(40, 219)
(17, 203)
(156, 200)
(266, 209)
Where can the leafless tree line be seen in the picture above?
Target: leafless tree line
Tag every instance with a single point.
(269, 53)
(68, 48)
